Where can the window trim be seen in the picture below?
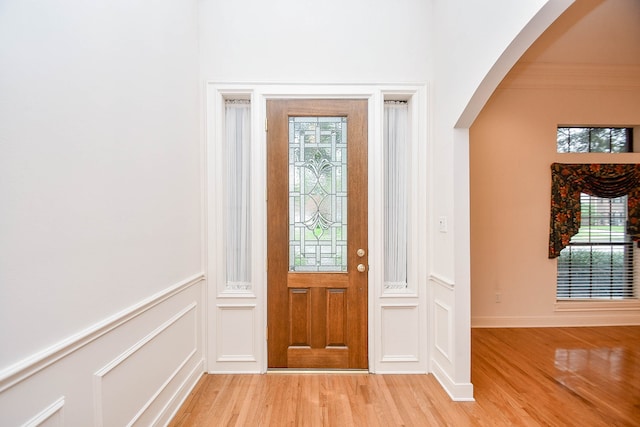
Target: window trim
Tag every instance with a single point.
(628, 304)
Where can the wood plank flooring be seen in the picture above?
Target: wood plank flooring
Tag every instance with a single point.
(521, 377)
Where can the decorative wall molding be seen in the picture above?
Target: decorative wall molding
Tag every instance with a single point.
(52, 414)
(134, 367)
(572, 76)
(443, 329)
(443, 282)
(39, 361)
(163, 387)
(126, 356)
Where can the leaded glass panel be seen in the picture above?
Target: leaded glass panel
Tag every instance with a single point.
(318, 194)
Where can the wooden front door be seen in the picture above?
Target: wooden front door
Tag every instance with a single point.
(317, 233)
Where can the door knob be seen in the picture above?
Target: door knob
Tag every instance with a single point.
(361, 268)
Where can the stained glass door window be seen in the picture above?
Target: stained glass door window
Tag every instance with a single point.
(318, 194)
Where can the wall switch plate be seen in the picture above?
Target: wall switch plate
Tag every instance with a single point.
(442, 224)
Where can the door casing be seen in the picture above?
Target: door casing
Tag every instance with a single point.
(236, 319)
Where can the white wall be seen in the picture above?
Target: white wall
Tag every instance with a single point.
(302, 41)
(99, 168)
(99, 164)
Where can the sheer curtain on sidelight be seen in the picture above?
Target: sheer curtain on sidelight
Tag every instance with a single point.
(396, 160)
(238, 149)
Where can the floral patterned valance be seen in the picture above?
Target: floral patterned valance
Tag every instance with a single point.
(600, 180)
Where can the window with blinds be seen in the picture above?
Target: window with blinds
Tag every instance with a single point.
(599, 261)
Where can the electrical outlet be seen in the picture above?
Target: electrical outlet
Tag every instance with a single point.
(498, 297)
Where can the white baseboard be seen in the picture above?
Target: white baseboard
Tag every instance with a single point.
(459, 392)
(622, 319)
(180, 396)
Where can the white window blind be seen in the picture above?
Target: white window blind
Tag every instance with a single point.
(599, 261)
(396, 173)
(238, 149)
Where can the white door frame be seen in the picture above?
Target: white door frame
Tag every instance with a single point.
(400, 326)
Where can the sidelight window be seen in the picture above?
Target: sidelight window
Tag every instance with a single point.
(396, 190)
(238, 194)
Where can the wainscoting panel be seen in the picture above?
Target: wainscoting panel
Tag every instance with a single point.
(129, 384)
(134, 368)
(442, 316)
(236, 334)
(443, 323)
(401, 342)
(444, 341)
(400, 333)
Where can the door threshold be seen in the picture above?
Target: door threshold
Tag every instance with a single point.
(317, 371)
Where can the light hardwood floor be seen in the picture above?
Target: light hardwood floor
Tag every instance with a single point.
(521, 377)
